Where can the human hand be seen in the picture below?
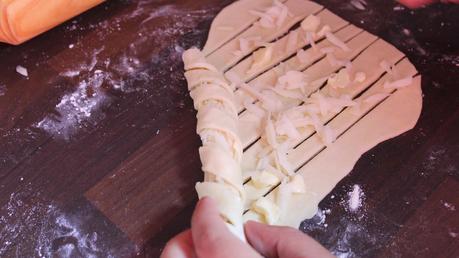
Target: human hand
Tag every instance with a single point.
(210, 238)
(420, 3)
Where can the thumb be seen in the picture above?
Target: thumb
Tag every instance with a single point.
(282, 242)
(181, 246)
(212, 238)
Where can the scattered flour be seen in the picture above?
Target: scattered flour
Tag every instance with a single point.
(28, 221)
(135, 66)
(359, 4)
(2, 89)
(449, 206)
(355, 198)
(450, 59)
(76, 107)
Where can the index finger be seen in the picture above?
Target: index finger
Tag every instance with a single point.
(274, 241)
(212, 238)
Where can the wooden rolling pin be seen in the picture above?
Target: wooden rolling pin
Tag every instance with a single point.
(21, 20)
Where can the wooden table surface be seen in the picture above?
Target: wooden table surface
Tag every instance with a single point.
(98, 151)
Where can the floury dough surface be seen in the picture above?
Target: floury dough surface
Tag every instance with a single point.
(382, 99)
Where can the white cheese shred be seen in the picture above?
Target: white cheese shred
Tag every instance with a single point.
(336, 41)
(399, 83)
(22, 71)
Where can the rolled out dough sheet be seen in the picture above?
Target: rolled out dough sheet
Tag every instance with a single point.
(386, 100)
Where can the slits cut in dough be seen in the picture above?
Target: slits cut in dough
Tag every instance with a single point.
(312, 93)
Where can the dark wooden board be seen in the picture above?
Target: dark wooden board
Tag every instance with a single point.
(121, 181)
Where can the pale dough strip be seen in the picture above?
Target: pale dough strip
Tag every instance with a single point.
(221, 152)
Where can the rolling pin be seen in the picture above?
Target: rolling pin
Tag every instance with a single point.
(21, 20)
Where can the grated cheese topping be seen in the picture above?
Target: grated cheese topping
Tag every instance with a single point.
(401, 83)
(292, 80)
(264, 179)
(339, 80)
(268, 209)
(274, 16)
(336, 41)
(310, 23)
(261, 57)
(360, 77)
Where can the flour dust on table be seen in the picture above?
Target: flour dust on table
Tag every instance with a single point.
(30, 220)
(98, 79)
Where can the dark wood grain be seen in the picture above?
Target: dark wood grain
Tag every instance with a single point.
(127, 174)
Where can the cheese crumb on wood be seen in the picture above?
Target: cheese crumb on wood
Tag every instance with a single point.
(261, 57)
(22, 71)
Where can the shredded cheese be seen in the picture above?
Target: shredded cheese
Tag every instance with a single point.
(339, 80)
(268, 209)
(292, 80)
(360, 77)
(261, 57)
(283, 163)
(274, 16)
(297, 185)
(270, 132)
(336, 41)
(323, 31)
(399, 83)
(310, 23)
(246, 45)
(264, 179)
(270, 101)
(285, 127)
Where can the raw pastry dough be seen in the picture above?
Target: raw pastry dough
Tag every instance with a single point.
(311, 94)
(221, 153)
(21, 20)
